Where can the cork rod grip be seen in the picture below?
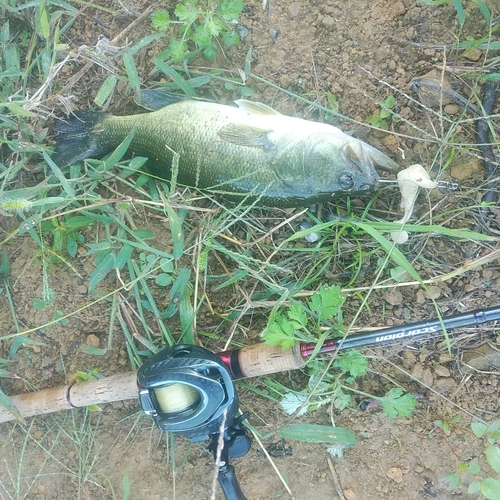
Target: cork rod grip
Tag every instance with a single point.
(93, 392)
(262, 359)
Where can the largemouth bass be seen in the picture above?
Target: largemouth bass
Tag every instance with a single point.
(248, 153)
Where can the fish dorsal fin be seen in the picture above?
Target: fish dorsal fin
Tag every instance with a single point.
(154, 99)
(256, 108)
(242, 134)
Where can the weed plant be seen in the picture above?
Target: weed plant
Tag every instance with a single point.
(156, 288)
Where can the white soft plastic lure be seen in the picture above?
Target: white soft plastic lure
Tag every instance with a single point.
(409, 181)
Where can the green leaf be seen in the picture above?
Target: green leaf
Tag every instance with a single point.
(479, 429)
(327, 302)
(72, 244)
(342, 401)
(311, 433)
(396, 403)
(484, 10)
(230, 38)
(473, 468)
(59, 318)
(101, 271)
(106, 90)
(493, 457)
(352, 362)
(297, 314)
(77, 222)
(453, 481)
(167, 265)
(68, 189)
(19, 341)
(490, 488)
(210, 51)
(123, 256)
(163, 279)
(160, 20)
(292, 401)
(130, 68)
(280, 332)
(94, 351)
(398, 274)
(202, 36)
(185, 14)
(4, 265)
(38, 304)
(474, 487)
(460, 11)
(7, 403)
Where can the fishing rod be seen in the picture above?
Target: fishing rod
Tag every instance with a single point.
(189, 390)
(249, 361)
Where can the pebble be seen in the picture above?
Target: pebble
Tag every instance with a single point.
(466, 170)
(393, 297)
(349, 494)
(93, 340)
(294, 9)
(441, 371)
(328, 21)
(390, 142)
(433, 292)
(443, 385)
(395, 473)
(451, 109)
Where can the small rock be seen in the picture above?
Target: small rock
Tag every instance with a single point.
(444, 385)
(92, 340)
(390, 142)
(408, 355)
(36, 348)
(395, 473)
(483, 358)
(433, 292)
(427, 378)
(451, 109)
(328, 21)
(381, 53)
(441, 371)
(394, 297)
(417, 371)
(421, 296)
(294, 9)
(466, 170)
(349, 494)
(473, 55)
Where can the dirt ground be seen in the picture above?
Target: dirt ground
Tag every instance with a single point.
(360, 52)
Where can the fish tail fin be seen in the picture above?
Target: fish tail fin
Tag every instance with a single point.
(78, 138)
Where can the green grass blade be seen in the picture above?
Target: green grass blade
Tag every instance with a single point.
(60, 176)
(312, 433)
(7, 403)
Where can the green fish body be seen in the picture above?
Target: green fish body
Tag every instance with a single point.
(249, 152)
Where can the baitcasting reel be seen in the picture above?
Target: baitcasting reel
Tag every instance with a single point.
(188, 390)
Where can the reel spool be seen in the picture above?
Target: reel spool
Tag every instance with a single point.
(186, 390)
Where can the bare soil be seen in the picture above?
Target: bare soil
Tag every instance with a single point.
(360, 52)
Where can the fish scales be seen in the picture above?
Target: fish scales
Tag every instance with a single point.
(247, 152)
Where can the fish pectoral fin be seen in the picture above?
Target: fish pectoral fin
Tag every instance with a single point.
(246, 135)
(255, 108)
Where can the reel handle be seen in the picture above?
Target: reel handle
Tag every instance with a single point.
(229, 483)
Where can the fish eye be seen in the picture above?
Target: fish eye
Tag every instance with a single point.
(346, 181)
